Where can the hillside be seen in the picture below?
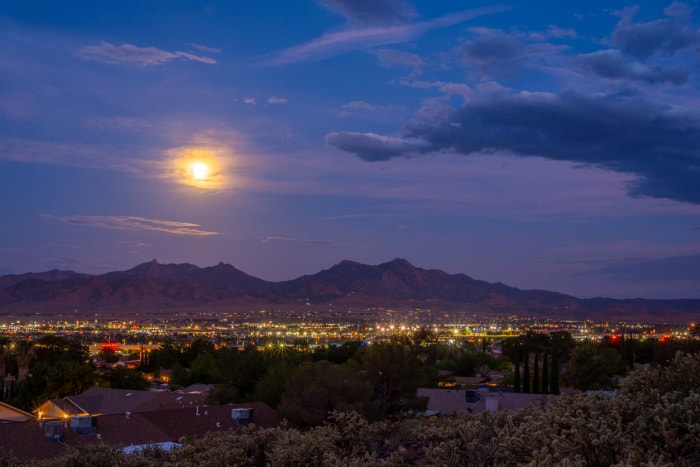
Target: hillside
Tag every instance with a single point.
(156, 287)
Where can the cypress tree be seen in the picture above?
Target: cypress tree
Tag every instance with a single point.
(554, 379)
(516, 375)
(545, 375)
(536, 374)
(526, 373)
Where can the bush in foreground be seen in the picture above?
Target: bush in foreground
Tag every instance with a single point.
(655, 420)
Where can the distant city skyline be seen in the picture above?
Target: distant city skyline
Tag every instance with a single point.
(555, 147)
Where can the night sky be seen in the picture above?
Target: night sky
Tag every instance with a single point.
(554, 146)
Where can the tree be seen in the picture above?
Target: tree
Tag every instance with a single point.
(554, 376)
(316, 389)
(122, 378)
(24, 352)
(545, 374)
(395, 372)
(526, 373)
(593, 366)
(536, 374)
(4, 352)
(516, 375)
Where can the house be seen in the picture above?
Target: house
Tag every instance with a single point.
(95, 401)
(449, 401)
(125, 418)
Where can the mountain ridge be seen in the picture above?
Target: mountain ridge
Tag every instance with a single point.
(397, 283)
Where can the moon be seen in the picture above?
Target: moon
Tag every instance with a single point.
(199, 170)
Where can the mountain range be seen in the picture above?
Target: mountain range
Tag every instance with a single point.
(348, 285)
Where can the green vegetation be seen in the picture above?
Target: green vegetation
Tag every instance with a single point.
(654, 420)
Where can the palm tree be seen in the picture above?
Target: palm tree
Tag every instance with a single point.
(24, 350)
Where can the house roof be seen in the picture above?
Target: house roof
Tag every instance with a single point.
(197, 388)
(26, 440)
(105, 401)
(10, 413)
(448, 401)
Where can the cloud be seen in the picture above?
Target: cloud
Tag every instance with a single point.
(621, 132)
(612, 64)
(120, 123)
(132, 244)
(389, 57)
(495, 51)
(367, 37)
(667, 35)
(373, 147)
(128, 53)
(249, 100)
(363, 106)
(660, 269)
(133, 223)
(556, 32)
(274, 239)
(492, 47)
(61, 263)
(276, 100)
(204, 48)
(359, 105)
(68, 154)
(371, 11)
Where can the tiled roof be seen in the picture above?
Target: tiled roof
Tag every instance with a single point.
(105, 401)
(26, 440)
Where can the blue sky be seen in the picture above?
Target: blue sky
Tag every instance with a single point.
(553, 147)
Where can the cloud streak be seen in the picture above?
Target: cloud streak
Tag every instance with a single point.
(659, 269)
(371, 11)
(129, 53)
(276, 239)
(367, 37)
(133, 223)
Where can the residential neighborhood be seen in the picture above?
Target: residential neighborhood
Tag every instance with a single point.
(123, 418)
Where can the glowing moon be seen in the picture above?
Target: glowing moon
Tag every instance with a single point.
(202, 166)
(200, 170)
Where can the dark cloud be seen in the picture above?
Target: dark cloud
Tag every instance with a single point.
(612, 64)
(667, 35)
(621, 132)
(661, 269)
(374, 12)
(372, 147)
(492, 48)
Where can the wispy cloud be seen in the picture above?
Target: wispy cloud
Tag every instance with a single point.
(362, 38)
(371, 12)
(133, 223)
(67, 154)
(129, 53)
(133, 244)
(391, 57)
(274, 239)
(204, 48)
(657, 269)
(276, 100)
